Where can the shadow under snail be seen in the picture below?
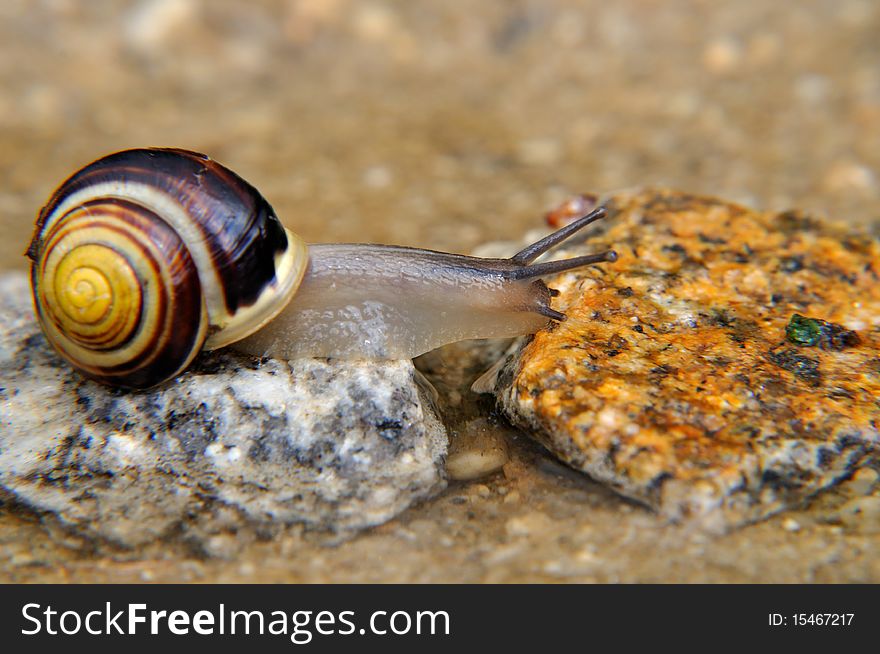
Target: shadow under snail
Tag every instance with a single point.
(144, 257)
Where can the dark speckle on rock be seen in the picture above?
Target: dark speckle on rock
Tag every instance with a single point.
(675, 248)
(825, 457)
(791, 264)
(794, 221)
(803, 367)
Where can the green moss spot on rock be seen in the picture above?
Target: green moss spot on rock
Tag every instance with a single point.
(811, 332)
(802, 331)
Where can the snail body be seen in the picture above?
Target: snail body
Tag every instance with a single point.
(145, 257)
(386, 302)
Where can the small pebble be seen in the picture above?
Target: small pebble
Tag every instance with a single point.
(152, 24)
(790, 524)
(481, 490)
(374, 22)
(722, 56)
(378, 177)
(503, 554)
(527, 524)
(478, 450)
(21, 559)
(222, 545)
(845, 176)
(474, 464)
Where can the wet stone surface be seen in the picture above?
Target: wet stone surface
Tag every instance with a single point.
(725, 368)
(232, 448)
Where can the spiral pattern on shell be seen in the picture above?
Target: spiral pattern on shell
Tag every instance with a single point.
(145, 256)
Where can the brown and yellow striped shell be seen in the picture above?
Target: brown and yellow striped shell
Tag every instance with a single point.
(144, 257)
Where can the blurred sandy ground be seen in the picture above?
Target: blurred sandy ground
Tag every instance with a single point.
(444, 124)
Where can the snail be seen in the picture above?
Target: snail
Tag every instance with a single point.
(144, 257)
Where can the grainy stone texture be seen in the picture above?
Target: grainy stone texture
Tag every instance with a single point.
(233, 445)
(686, 377)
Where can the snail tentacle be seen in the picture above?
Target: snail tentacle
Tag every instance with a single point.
(562, 265)
(530, 253)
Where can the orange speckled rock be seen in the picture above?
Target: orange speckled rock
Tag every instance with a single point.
(674, 380)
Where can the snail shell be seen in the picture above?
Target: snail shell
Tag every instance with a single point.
(144, 257)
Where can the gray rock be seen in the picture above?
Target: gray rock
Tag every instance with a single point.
(233, 442)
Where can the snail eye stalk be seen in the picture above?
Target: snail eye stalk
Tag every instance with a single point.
(535, 250)
(526, 256)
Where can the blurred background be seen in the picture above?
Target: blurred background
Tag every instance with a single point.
(446, 124)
